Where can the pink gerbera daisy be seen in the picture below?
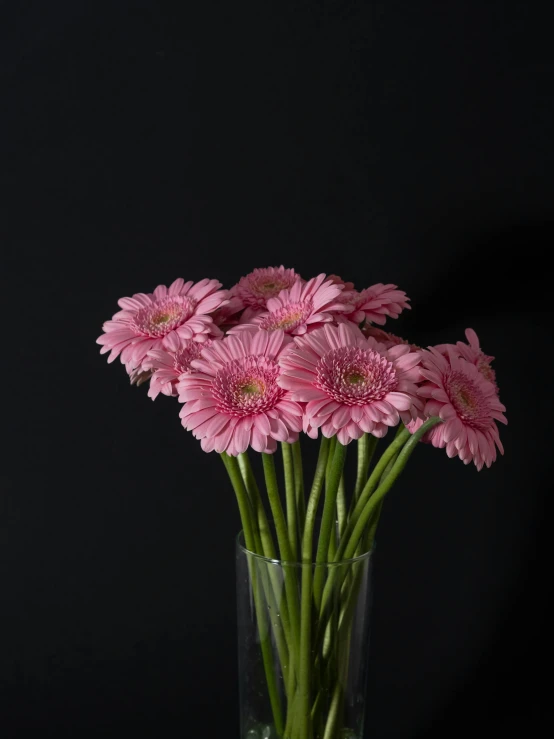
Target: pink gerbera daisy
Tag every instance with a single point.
(375, 303)
(162, 319)
(167, 367)
(351, 384)
(457, 392)
(256, 288)
(302, 308)
(232, 399)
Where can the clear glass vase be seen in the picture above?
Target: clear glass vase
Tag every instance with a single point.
(303, 639)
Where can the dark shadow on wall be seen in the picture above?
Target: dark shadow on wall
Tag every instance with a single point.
(496, 273)
(501, 284)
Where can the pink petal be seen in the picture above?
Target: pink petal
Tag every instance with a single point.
(366, 424)
(357, 413)
(185, 332)
(175, 287)
(343, 436)
(216, 425)
(200, 417)
(278, 429)
(223, 439)
(408, 361)
(451, 450)
(447, 412)
(400, 401)
(271, 447)
(472, 339)
(324, 405)
(242, 435)
(341, 417)
(171, 342)
(160, 292)
(425, 391)
(259, 439)
(288, 382)
(328, 430)
(306, 394)
(290, 406)
(203, 288)
(210, 303)
(354, 430)
(312, 432)
(433, 408)
(452, 429)
(262, 424)
(276, 339)
(207, 444)
(439, 394)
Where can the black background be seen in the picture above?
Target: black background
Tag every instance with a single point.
(385, 141)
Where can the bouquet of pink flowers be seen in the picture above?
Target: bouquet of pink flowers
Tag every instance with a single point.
(272, 358)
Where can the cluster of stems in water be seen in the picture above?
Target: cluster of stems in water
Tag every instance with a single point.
(309, 615)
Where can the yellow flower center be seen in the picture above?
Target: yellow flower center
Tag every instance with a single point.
(355, 378)
(290, 320)
(253, 387)
(161, 318)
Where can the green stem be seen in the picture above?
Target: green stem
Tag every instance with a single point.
(348, 598)
(372, 502)
(303, 714)
(370, 486)
(341, 659)
(341, 515)
(299, 488)
(245, 506)
(276, 508)
(284, 546)
(328, 519)
(372, 529)
(366, 450)
(332, 446)
(245, 511)
(277, 601)
(290, 495)
(374, 521)
(268, 545)
(341, 507)
(333, 715)
(356, 526)
(332, 544)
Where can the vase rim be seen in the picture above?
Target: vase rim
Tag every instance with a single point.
(239, 542)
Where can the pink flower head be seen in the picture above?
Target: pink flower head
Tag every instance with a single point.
(302, 308)
(375, 303)
(162, 319)
(457, 392)
(351, 384)
(256, 288)
(167, 367)
(232, 399)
